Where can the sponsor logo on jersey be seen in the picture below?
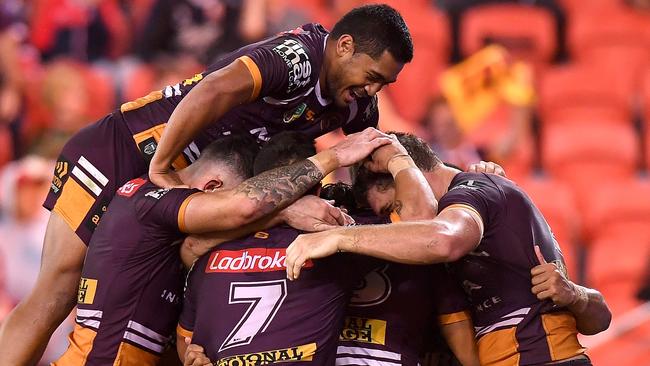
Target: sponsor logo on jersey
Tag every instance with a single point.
(158, 193)
(294, 55)
(87, 289)
(132, 186)
(93, 220)
(293, 354)
(294, 114)
(248, 260)
(60, 175)
(364, 330)
(195, 79)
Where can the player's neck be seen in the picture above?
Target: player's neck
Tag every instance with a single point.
(187, 175)
(440, 178)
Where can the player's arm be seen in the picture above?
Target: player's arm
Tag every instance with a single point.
(453, 233)
(459, 336)
(309, 213)
(210, 99)
(274, 189)
(414, 199)
(587, 305)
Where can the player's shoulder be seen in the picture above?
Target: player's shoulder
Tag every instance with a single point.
(475, 181)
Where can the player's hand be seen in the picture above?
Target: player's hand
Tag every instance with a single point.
(487, 167)
(195, 355)
(549, 283)
(311, 213)
(166, 178)
(357, 146)
(381, 156)
(309, 246)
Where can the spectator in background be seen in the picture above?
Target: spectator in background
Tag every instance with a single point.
(440, 130)
(204, 29)
(86, 30)
(65, 94)
(23, 184)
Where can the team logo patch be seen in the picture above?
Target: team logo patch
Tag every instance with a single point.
(293, 354)
(158, 193)
(132, 186)
(364, 330)
(60, 175)
(148, 148)
(87, 289)
(248, 260)
(294, 114)
(294, 55)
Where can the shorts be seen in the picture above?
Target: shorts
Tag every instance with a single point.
(93, 164)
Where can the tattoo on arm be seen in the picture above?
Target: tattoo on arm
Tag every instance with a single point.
(279, 187)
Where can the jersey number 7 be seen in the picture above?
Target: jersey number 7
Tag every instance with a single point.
(265, 299)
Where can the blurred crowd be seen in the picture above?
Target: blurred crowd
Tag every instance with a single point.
(563, 104)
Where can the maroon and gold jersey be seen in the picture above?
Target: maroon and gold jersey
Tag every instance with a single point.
(240, 307)
(130, 294)
(389, 316)
(286, 96)
(513, 327)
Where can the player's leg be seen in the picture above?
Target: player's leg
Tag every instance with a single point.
(27, 329)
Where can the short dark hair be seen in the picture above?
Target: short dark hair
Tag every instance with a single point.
(236, 151)
(376, 28)
(423, 157)
(283, 149)
(342, 195)
(419, 150)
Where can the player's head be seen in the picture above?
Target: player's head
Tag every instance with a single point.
(372, 44)
(283, 149)
(223, 164)
(377, 190)
(342, 195)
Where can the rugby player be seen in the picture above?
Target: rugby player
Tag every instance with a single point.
(240, 308)
(489, 229)
(132, 265)
(302, 79)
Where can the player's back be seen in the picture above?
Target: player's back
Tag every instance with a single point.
(496, 275)
(241, 308)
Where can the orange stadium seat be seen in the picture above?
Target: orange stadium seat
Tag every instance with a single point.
(431, 39)
(557, 203)
(102, 92)
(583, 92)
(140, 81)
(528, 32)
(631, 348)
(646, 115)
(583, 154)
(621, 43)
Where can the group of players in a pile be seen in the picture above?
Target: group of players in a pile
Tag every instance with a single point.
(258, 290)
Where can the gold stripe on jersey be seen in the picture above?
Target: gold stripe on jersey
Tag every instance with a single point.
(293, 354)
(81, 343)
(471, 210)
(364, 330)
(183, 332)
(394, 217)
(142, 101)
(499, 348)
(74, 203)
(255, 73)
(129, 355)
(181, 213)
(451, 318)
(87, 289)
(156, 132)
(561, 335)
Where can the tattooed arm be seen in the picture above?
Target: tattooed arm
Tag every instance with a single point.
(274, 189)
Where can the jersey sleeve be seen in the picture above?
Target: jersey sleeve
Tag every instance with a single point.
(366, 115)
(470, 194)
(451, 303)
(280, 69)
(166, 207)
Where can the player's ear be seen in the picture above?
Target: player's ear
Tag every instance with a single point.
(345, 45)
(213, 185)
